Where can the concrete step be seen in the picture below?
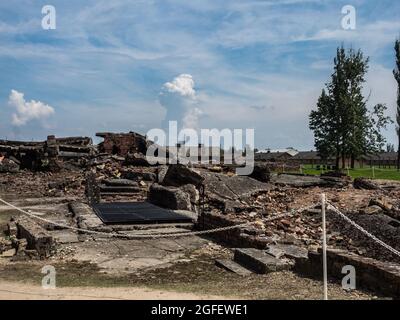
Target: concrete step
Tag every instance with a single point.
(233, 266)
(259, 261)
(118, 189)
(120, 183)
(287, 251)
(150, 232)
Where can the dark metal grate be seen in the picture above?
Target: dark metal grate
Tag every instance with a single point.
(136, 213)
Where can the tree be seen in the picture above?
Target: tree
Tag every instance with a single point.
(390, 147)
(396, 73)
(342, 124)
(377, 121)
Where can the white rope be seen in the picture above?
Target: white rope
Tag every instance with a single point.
(152, 236)
(358, 227)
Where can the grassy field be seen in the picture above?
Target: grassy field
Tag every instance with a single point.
(366, 172)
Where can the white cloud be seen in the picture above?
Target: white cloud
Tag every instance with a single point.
(27, 111)
(180, 99)
(182, 84)
(191, 118)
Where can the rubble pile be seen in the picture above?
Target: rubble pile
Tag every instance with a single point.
(59, 167)
(52, 154)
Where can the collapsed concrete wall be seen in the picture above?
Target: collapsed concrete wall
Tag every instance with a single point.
(46, 155)
(122, 144)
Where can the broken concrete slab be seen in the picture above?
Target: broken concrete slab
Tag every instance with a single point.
(371, 210)
(305, 181)
(37, 237)
(382, 203)
(178, 175)
(231, 193)
(259, 261)
(287, 251)
(85, 217)
(120, 183)
(169, 197)
(232, 266)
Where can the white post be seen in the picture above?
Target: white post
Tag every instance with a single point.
(323, 203)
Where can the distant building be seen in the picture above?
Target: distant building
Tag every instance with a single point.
(277, 155)
(309, 158)
(381, 159)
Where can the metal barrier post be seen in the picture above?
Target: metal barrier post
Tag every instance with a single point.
(323, 204)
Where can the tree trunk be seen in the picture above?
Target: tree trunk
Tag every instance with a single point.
(343, 161)
(398, 153)
(352, 161)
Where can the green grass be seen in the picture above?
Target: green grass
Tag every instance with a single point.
(365, 172)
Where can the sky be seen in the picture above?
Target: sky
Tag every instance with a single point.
(132, 65)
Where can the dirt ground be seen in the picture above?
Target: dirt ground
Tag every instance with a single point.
(24, 291)
(195, 277)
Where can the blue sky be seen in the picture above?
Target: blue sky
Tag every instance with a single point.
(110, 65)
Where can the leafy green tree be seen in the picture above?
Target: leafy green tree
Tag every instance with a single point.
(342, 124)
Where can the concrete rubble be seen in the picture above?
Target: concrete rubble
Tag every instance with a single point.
(61, 168)
(36, 237)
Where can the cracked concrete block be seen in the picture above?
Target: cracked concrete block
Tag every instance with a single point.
(37, 237)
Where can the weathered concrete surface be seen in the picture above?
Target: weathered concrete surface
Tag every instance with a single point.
(119, 189)
(86, 218)
(116, 256)
(259, 261)
(232, 266)
(65, 236)
(169, 197)
(37, 237)
(120, 182)
(303, 181)
(231, 194)
(288, 251)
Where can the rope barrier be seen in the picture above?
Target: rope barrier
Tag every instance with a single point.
(361, 229)
(153, 236)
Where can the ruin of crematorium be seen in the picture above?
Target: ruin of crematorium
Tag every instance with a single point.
(67, 199)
